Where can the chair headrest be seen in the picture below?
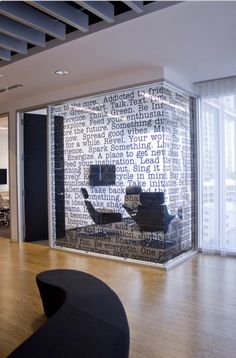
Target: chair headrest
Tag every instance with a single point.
(84, 193)
(152, 199)
(131, 190)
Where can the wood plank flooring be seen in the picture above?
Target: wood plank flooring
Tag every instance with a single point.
(189, 311)
(5, 232)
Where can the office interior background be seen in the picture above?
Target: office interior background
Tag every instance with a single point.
(182, 51)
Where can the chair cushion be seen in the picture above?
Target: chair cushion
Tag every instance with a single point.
(133, 190)
(152, 199)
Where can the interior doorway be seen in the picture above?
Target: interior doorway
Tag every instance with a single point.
(4, 178)
(34, 199)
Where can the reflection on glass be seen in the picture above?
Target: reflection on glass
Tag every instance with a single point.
(4, 180)
(230, 181)
(219, 173)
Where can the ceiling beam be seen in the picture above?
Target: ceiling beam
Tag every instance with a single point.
(21, 32)
(64, 12)
(5, 54)
(10, 43)
(137, 6)
(33, 18)
(102, 9)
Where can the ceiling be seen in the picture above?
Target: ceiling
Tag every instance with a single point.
(32, 26)
(194, 39)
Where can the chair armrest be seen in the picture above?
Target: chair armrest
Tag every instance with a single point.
(104, 211)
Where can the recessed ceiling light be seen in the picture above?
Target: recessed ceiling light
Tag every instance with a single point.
(61, 72)
(1, 75)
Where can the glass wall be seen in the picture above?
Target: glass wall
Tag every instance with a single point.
(4, 179)
(219, 173)
(123, 179)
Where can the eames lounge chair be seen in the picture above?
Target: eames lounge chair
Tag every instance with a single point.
(99, 217)
(132, 199)
(151, 214)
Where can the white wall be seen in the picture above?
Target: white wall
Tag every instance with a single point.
(81, 89)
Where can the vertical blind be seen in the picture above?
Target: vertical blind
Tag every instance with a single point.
(218, 166)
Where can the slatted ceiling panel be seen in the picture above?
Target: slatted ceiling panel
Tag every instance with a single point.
(20, 31)
(37, 23)
(64, 12)
(10, 43)
(137, 6)
(93, 19)
(27, 15)
(120, 7)
(5, 54)
(102, 9)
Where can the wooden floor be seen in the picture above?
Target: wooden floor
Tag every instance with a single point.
(189, 311)
(5, 232)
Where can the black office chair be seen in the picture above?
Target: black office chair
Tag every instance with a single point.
(132, 199)
(98, 216)
(152, 215)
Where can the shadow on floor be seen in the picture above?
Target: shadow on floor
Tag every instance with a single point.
(5, 233)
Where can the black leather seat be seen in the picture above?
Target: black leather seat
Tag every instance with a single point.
(87, 319)
(152, 214)
(132, 199)
(99, 217)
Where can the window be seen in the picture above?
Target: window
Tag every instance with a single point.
(218, 182)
